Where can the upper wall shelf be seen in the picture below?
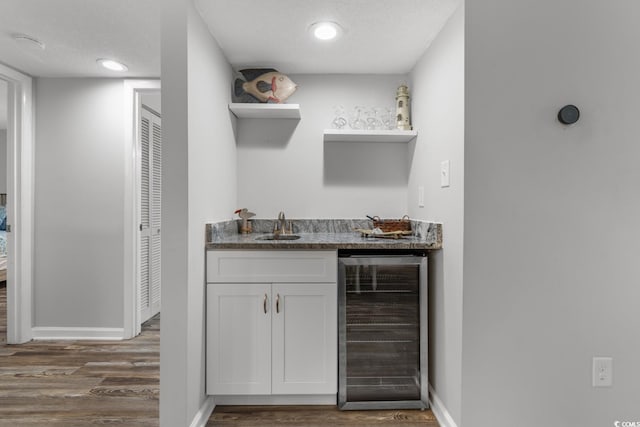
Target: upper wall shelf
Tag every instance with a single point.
(265, 111)
(349, 135)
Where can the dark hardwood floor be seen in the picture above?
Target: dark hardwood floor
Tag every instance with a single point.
(83, 383)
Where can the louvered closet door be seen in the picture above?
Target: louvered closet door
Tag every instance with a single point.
(150, 205)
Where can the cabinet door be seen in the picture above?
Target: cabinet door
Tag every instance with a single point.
(304, 327)
(238, 339)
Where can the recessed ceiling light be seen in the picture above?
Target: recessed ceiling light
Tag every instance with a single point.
(28, 40)
(112, 65)
(325, 30)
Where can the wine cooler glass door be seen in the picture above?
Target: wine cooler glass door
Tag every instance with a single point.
(381, 360)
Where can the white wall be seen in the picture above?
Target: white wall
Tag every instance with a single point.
(78, 194)
(198, 187)
(438, 115)
(3, 160)
(278, 161)
(551, 213)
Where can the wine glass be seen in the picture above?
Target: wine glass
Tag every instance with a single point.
(389, 119)
(356, 121)
(373, 119)
(339, 120)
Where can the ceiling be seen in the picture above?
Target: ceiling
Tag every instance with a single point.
(380, 36)
(78, 32)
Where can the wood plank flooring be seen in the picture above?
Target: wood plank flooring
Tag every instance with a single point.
(81, 383)
(84, 383)
(316, 416)
(3, 312)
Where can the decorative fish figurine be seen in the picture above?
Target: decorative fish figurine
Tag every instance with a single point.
(264, 85)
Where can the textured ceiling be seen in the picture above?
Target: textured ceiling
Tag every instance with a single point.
(77, 32)
(380, 36)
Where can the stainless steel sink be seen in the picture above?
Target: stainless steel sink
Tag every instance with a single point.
(278, 237)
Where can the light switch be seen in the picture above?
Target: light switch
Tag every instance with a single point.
(444, 174)
(421, 196)
(602, 375)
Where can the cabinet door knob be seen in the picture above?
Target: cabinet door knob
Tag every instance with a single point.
(264, 304)
(278, 303)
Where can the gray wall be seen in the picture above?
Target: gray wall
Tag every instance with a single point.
(153, 101)
(199, 175)
(551, 213)
(79, 184)
(4, 104)
(3, 136)
(3, 160)
(280, 159)
(438, 115)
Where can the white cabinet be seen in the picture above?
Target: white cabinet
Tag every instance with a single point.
(277, 338)
(272, 266)
(238, 339)
(304, 339)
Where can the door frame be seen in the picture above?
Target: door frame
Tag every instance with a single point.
(20, 204)
(133, 90)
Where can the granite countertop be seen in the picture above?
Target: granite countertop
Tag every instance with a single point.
(321, 234)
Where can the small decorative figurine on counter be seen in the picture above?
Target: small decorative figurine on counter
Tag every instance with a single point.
(403, 117)
(245, 225)
(264, 85)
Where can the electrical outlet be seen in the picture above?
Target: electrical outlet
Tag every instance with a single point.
(421, 196)
(444, 173)
(602, 371)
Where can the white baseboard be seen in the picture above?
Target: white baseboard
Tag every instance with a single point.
(54, 333)
(298, 399)
(439, 410)
(201, 418)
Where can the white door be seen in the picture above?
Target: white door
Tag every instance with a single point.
(150, 205)
(305, 351)
(238, 338)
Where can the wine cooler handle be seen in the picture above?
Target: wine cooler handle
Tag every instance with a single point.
(264, 304)
(278, 303)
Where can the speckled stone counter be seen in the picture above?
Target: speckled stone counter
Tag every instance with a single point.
(321, 234)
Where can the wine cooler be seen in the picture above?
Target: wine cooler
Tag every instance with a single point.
(382, 307)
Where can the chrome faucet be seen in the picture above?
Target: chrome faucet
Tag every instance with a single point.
(281, 227)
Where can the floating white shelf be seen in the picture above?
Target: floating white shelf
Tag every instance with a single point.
(265, 111)
(349, 135)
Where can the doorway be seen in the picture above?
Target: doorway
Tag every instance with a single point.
(18, 204)
(3, 212)
(142, 102)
